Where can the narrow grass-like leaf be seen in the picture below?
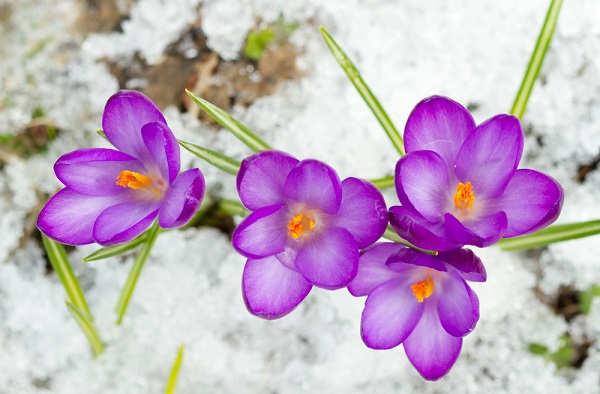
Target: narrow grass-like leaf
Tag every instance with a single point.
(392, 236)
(234, 208)
(537, 58)
(224, 119)
(586, 297)
(116, 250)
(365, 92)
(552, 234)
(217, 159)
(86, 326)
(134, 274)
(383, 183)
(175, 372)
(60, 263)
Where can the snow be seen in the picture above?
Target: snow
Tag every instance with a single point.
(189, 292)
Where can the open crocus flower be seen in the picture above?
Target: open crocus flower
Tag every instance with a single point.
(112, 196)
(420, 301)
(306, 229)
(459, 183)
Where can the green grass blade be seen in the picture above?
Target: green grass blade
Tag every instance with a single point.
(60, 263)
(217, 159)
(552, 234)
(116, 250)
(392, 236)
(134, 274)
(227, 121)
(366, 93)
(86, 326)
(537, 58)
(175, 372)
(232, 208)
(383, 183)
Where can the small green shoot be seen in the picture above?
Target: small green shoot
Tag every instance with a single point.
(175, 372)
(86, 326)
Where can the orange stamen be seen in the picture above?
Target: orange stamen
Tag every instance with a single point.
(298, 224)
(464, 197)
(422, 289)
(134, 180)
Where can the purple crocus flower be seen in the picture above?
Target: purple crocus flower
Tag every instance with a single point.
(306, 229)
(420, 301)
(112, 196)
(459, 183)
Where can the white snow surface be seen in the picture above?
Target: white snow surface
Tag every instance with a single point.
(189, 292)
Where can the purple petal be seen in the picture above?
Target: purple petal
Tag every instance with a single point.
(182, 199)
(411, 257)
(490, 156)
(362, 211)
(454, 304)
(391, 314)
(429, 348)
(124, 115)
(422, 182)
(163, 148)
(262, 177)
(315, 184)
(440, 125)
(372, 269)
(482, 232)
(474, 306)
(69, 217)
(419, 231)
(469, 266)
(263, 233)
(329, 258)
(271, 290)
(94, 172)
(531, 201)
(122, 223)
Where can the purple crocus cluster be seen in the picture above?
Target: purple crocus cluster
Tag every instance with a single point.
(458, 185)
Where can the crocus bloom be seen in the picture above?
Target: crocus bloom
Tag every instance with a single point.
(306, 229)
(112, 196)
(459, 183)
(420, 301)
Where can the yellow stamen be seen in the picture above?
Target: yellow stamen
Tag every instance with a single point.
(298, 224)
(422, 289)
(134, 180)
(464, 197)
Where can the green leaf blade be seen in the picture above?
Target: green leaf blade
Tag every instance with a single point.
(116, 250)
(384, 183)
(135, 272)
(58, 258)
(391, 235)
(364, 91)
(86, 326)
(552, 234)
(230, 123)
(212, 157)
(537, 58)
(175, 372)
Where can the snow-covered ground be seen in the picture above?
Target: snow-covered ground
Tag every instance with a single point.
(189, 292)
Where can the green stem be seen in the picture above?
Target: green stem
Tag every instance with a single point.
(365, 92)
(392, 236)
(537, 58)
(116, 250)
(60, 263)
(134, 274)
(383, 183)
(233, 207)
(175, 372)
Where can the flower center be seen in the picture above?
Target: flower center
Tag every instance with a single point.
(134, 180)
(464, 197)
(422, 289)
(298, 224)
